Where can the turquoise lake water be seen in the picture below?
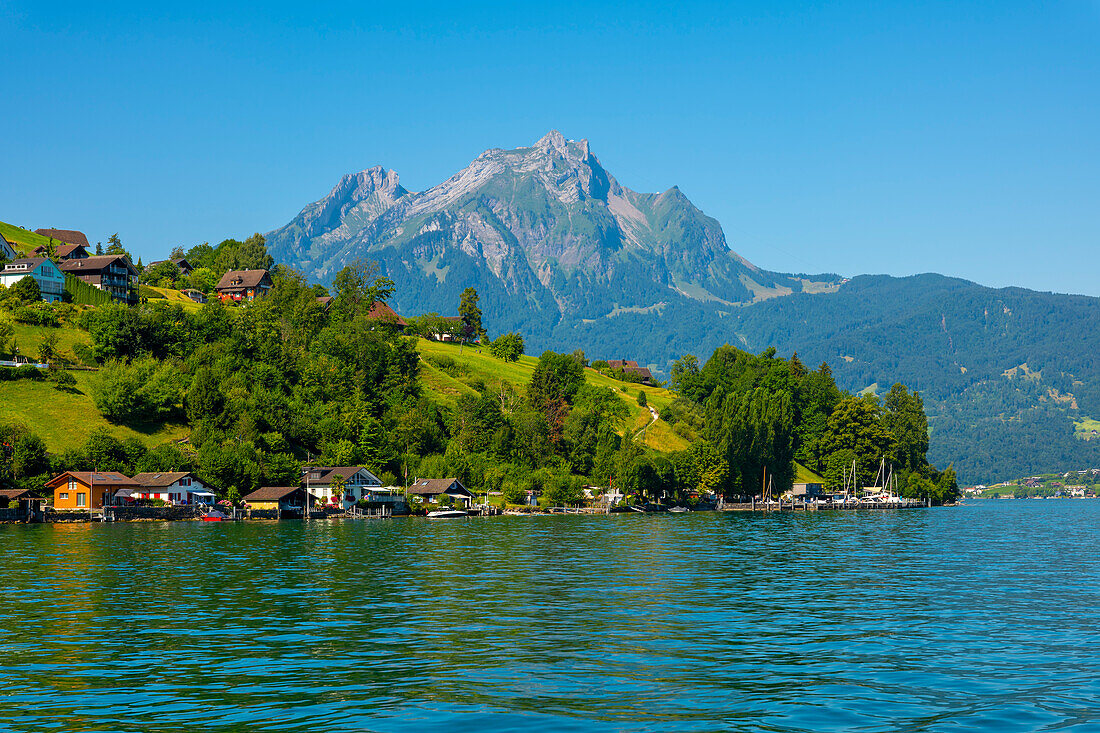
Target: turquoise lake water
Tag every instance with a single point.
(976, 618)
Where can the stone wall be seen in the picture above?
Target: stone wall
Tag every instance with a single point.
(147, 513)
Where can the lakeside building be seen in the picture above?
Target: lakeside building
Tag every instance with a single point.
(177, 487)
(243, 285)
(114, 274)
(87, 489)
(321, 482)
(431, 490)
(51, 281)
(277, 502)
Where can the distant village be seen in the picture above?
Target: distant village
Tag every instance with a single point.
(1081, 483)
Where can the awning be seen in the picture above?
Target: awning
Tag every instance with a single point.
(201, 493)
(124, 492)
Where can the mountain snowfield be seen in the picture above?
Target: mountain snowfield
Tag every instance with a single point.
(562, 252)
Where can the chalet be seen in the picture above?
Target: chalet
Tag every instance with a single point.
(61, 252)
(184, 266)
(432, 489)
(358, 483)
(23, 503)
(87, 489)
(278, 502)
(114, 274)
(7, 251)
(627, 366)
(247, 285)
(196, 295)
(66, 236)
(177, 487)
(382, 313)
(51, 281)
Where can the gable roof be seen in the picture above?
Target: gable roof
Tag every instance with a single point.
(330, 472)
(239, 279)
(12, 494)
(433, 486)
(379, 311)
(109, 478)
(272, 493)
(69, 236)
(32, 264)
(96, 264)
(6, 247)
(166, 478)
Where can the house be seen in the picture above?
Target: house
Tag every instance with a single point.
(23, 503)
(61, 252)
(626, 366)
(431, 490)
(66, 236)
(114, 274)
(184, 266)
(807, 491)
(7, 251)
(278, 502)
(196, 295)
(359, 483)
(87, 489)
(51, 281)
(382, 313)
(238, 285)
(325, 301)
(177, 487)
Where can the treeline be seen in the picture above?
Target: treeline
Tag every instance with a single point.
(209, 263)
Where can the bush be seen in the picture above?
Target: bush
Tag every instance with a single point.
(642, 400)
(141, 391)
(600, 364)
(9, 374)
(36, 314)
(63, 380)
(27, 289)
(85, 354)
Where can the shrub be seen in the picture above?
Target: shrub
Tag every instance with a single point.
(63, 380)
(642, 400)
(508, 346)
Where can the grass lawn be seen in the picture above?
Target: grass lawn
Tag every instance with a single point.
(803, 475)
(1085, 427)
(27, 338)
(63, 419)
(171, 296)
(481, 363)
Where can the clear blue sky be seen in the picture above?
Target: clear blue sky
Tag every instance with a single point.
(955, 137)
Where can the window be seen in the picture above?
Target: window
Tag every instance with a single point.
(63, 496)
(185, 482)
(72, 484)
(82, 499)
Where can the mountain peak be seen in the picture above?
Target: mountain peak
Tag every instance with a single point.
(552, 140)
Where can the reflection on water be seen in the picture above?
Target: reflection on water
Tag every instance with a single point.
(975, 618)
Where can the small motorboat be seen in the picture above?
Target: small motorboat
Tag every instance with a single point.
(214, 516)
(678, 510)
(447, 514)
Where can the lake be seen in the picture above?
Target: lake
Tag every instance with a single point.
(980, 617)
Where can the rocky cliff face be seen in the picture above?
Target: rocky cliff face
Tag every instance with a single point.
(544, 230)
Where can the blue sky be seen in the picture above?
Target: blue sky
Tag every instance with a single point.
(953, 137)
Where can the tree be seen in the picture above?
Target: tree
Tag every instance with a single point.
(471, 315)
(7, 334)
(507, 346)
(27, 290)
(358, 285)
(856, 430)
(114, 247)
(905, 419)
(47, 348)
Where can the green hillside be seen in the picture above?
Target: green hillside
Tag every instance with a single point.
(475, 363)
(65, 419)
(23, 240)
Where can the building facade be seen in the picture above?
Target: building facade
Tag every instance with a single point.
(51, 281)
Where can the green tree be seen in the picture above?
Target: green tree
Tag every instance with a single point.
(26, 290)
(114, 247)
(47, 348)
(905, 419)
(856, 427)
(470, 313)
(358, 286)
(508, 346)
(7, 334)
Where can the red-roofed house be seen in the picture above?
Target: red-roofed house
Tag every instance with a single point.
(87, 489)
(238, 285)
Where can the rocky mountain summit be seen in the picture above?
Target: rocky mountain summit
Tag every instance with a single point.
(544, 225)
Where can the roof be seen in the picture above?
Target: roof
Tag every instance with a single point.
(272, 493)
(328, 472)
(95, 264)
(235, 279)
(32, 264)
(166, 478)
(69, 236)
(642, 372)
(621, 363)
(67, 249)
(379, 311)
(325, 300)
(111, 478)
(12, 494)
(431, 486)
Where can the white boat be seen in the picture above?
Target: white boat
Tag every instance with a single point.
(447, 514)
(678, 510)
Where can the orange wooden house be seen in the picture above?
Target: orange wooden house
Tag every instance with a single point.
(87, 489)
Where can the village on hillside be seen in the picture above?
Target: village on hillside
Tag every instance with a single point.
(57, 266)
(1081, 483)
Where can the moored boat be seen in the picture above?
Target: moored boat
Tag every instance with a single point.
(447, 514)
